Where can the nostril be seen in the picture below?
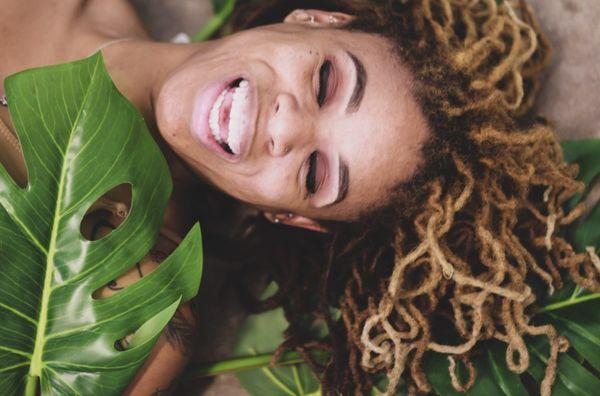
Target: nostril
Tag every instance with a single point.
(271, 145)
(277, 108)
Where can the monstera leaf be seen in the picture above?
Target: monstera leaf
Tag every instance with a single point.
(80, 138)
(262, 334)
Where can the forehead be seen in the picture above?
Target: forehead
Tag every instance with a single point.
(382, 141)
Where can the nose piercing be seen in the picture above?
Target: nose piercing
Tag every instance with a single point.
(286, 149)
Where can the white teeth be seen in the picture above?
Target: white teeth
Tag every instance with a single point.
(237, 117)
(213, 120)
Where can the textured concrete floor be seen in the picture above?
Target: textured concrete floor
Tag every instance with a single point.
(571, 94)
(570, 98)
(166, 18)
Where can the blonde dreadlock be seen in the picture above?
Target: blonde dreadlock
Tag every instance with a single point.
(483, 223)
(484, 231)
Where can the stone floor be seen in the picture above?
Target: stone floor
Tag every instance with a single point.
(570, 99)
(166, 18)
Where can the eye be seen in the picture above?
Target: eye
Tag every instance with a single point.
(316, 174)
(324, 73)
(311, 175)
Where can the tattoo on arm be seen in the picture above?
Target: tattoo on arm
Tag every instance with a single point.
(180, 331)
(169, 390)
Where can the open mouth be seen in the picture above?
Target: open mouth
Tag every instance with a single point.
(229, 117)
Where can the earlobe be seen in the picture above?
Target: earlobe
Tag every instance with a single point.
(293, 220)
(318, 18)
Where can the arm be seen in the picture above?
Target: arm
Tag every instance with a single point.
(158, 375)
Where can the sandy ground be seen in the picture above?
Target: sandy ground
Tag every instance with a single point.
(570, 98)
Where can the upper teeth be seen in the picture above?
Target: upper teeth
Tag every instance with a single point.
(237, 119)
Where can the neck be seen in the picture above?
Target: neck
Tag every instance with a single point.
(139, 69)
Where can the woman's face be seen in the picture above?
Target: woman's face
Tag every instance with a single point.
(296, 117)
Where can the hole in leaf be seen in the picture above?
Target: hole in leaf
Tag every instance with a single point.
(107, 213)
(11, 156)
(148, 330)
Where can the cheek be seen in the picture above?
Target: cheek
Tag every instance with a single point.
(170, 115)
(263, 189)
(270, 191)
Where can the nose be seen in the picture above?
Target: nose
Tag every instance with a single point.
(290, 128)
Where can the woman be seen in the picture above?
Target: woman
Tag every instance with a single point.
(397, 128)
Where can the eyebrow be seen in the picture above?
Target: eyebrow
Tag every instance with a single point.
(343, 183)
(359, 86)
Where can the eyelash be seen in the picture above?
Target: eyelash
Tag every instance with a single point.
(311, 175)
(324, 75)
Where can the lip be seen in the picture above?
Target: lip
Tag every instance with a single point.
(199, 125)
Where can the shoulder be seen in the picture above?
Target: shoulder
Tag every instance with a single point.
(36, 33)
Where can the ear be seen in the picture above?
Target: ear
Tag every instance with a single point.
(318, 18)
(293, 220)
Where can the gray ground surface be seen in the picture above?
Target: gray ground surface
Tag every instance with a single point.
(570, 99)
(165, 18)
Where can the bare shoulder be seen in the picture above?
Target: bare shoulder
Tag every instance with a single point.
(36, 33)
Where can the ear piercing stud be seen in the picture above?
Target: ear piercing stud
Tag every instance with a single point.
(331, 19)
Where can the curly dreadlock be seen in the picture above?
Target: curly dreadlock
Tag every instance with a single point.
(463, 241)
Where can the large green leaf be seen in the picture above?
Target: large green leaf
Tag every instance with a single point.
(572, 378)
(262, 334)
(581, 324)
(492, 375)
(81, 138)
(585, 153)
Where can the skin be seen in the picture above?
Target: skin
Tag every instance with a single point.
(380, 141)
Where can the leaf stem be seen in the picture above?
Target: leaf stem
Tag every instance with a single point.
(297, 380)
(215, 22)
(31, 385)
(240, 364)
(569, 302)
(578, 290)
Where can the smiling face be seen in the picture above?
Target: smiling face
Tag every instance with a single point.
(295, 118)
